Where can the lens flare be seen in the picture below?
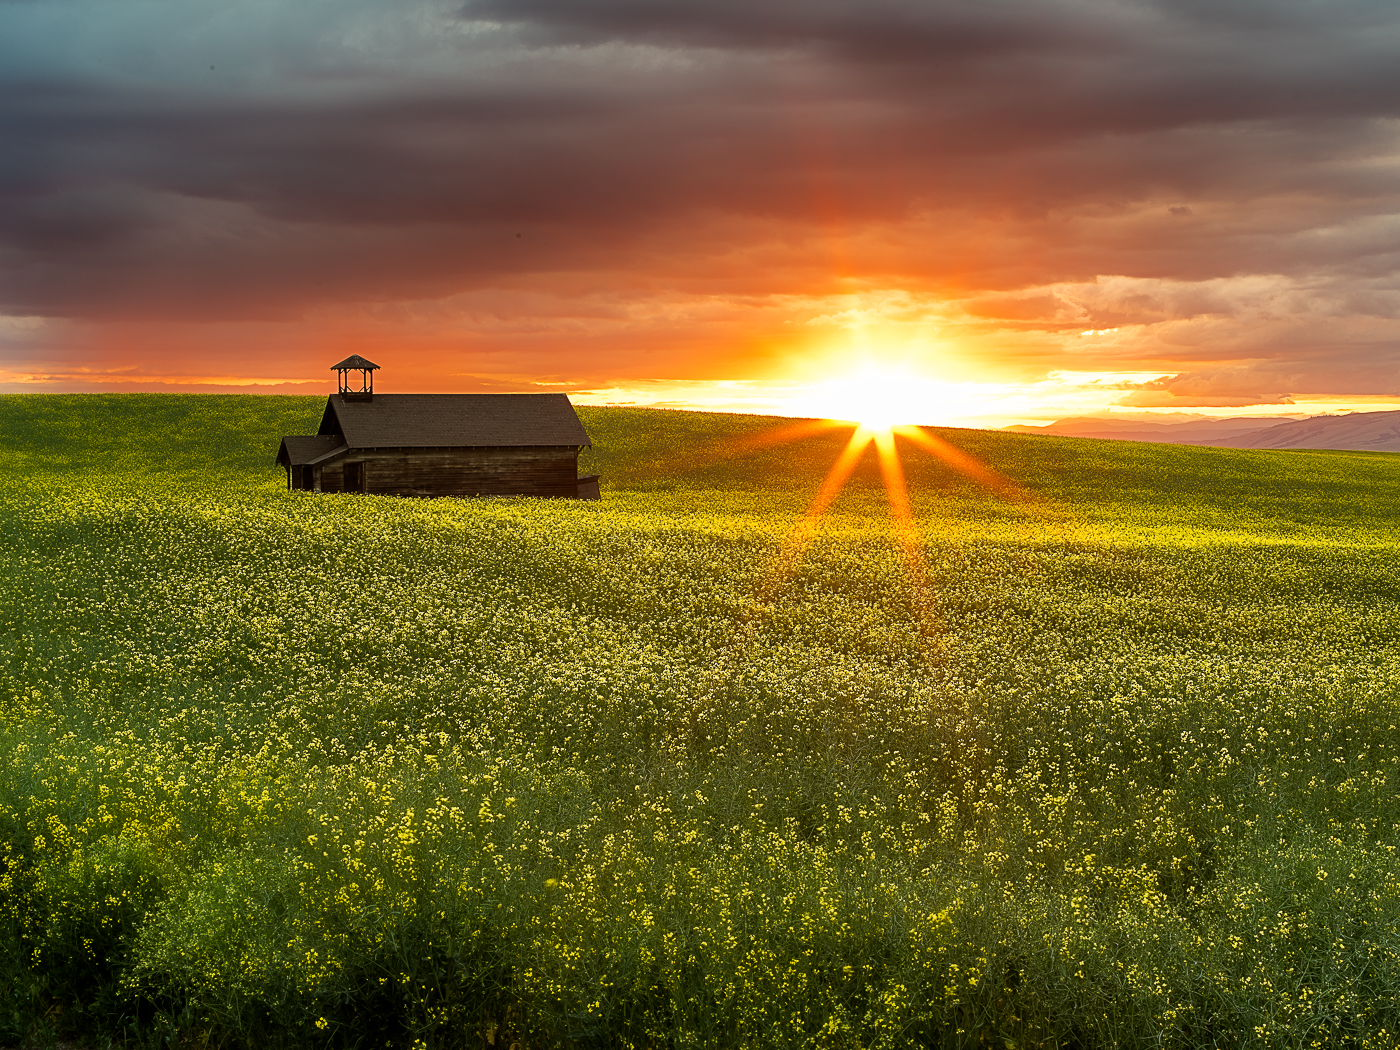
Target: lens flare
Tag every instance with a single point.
(906, 526)
(801, 535)
(966, 464)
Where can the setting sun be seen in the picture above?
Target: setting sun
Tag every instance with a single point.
(880, 398)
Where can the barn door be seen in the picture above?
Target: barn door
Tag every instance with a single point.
(354, 477)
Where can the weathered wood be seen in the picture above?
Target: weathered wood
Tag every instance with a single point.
(537, 471)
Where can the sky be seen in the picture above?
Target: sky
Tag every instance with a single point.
(992, 211)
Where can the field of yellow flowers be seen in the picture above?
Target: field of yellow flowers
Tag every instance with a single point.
(1119, 769)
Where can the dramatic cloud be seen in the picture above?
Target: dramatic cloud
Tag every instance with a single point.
(595, 191)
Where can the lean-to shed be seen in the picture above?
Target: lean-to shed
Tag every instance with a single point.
(440, 444)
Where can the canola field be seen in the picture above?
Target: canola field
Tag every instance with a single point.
(293, 770)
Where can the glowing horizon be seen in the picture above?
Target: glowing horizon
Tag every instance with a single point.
(977, 405)
(871, 394)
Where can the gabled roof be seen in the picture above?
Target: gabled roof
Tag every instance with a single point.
(300, 451)
(454, 421)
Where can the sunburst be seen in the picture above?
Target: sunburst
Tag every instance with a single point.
(906, 527)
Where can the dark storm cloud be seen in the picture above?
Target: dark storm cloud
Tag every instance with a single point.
(1125, 66)
(233, 161)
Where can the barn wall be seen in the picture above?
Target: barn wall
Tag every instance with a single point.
(539, 471)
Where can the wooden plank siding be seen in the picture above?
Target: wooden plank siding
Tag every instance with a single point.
(526, 471)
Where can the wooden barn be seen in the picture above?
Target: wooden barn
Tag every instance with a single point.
(439, 444)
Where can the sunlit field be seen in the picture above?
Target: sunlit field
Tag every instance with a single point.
(1113, 766)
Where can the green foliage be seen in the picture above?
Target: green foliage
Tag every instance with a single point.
(282, 770)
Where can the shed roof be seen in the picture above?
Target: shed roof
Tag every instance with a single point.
(454, 420)
(299, 451)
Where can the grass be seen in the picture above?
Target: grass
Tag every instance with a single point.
(284, 770)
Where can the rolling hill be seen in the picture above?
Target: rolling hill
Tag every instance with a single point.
(1355, 432)
(1198, 432)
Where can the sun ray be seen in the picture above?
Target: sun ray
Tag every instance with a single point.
(897, 492)
(801, 535)
(840, 472)
(692, 461)
(906, 529)
(781, 435)
(961, 461)
(1049, 519)
(907, 534)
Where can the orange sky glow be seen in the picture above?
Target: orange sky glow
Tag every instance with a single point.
(925, 213)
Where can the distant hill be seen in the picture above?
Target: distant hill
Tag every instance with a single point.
(1358, 431)
(1200, 432)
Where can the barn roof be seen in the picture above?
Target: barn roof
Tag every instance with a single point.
(454, 420)
(300, 451)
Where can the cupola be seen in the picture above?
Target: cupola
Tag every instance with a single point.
(348, 390)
